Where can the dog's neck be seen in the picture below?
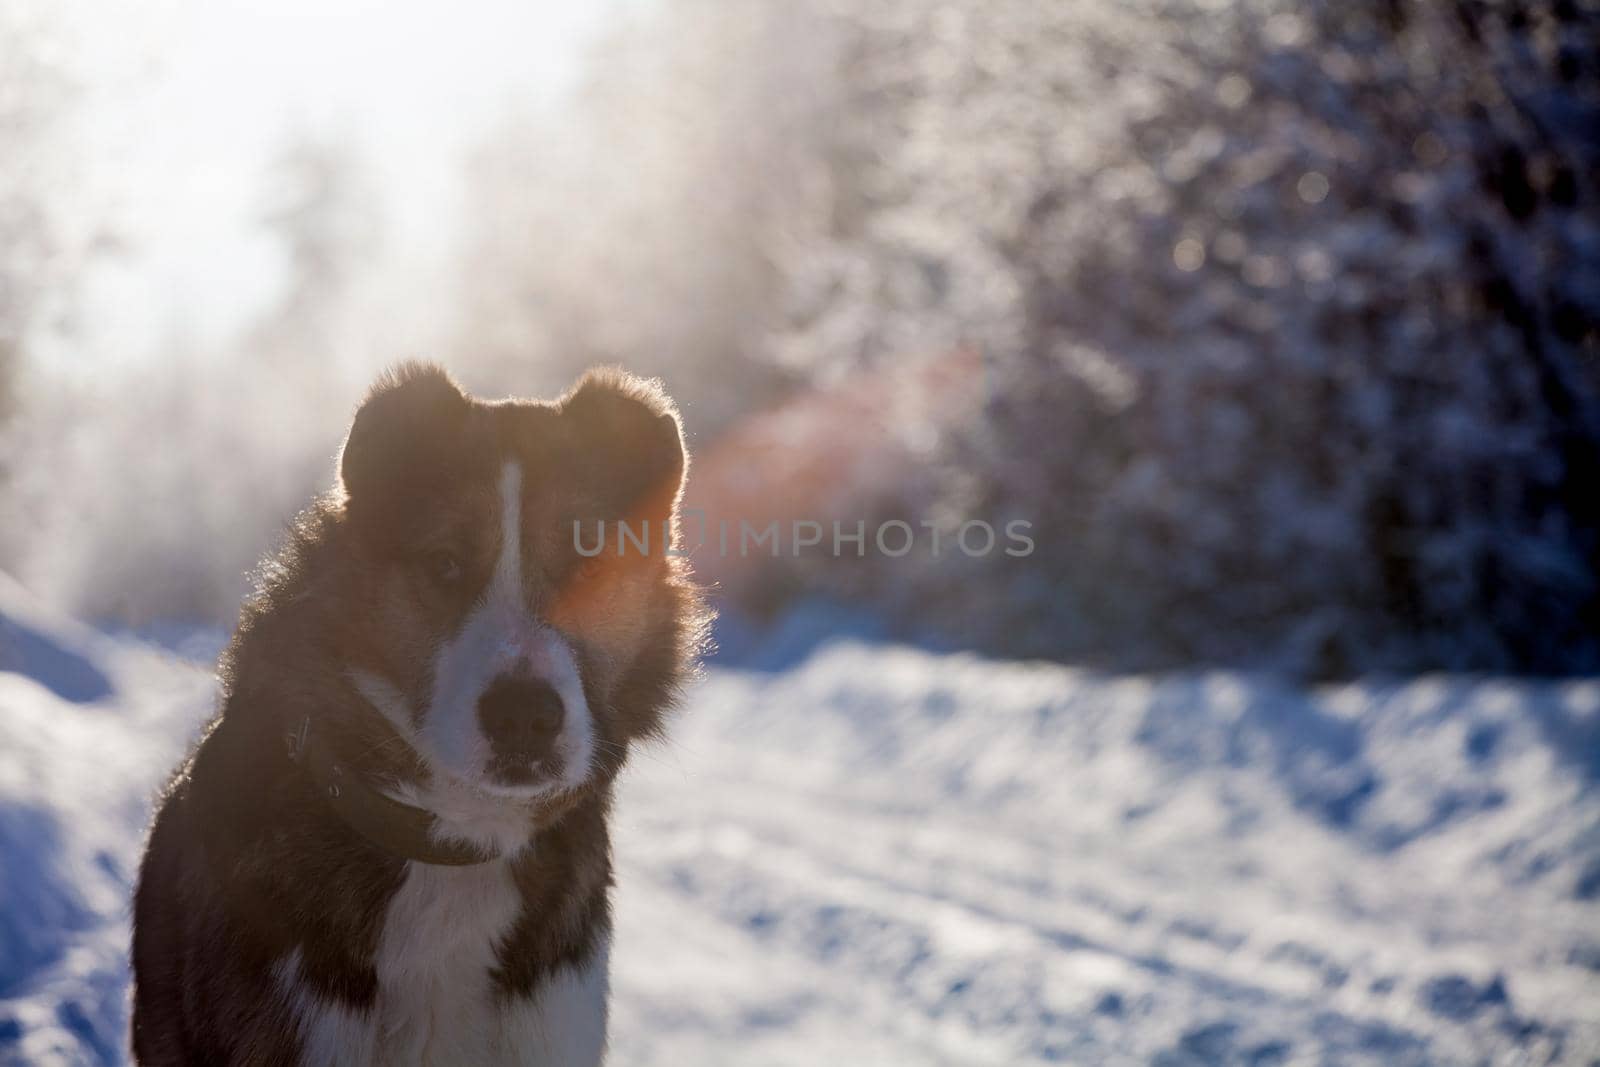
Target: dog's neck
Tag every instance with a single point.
(410, 831)
(300, 878)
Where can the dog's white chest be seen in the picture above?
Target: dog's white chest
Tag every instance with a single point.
(437, 1003)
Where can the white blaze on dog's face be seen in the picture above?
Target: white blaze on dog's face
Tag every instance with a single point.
(507, 708)
(489, 643)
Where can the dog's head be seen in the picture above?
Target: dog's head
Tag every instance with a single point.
(478, 617)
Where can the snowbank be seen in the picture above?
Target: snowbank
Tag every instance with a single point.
(89, 728)
(890, 855)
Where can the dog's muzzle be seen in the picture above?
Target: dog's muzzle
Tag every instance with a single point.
(522, 719)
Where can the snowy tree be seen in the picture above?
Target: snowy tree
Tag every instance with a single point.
(1288, 314)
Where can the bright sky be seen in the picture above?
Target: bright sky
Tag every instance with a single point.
(191, 100)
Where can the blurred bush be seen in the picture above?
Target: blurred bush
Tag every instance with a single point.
(41, 243)
(1287, 317)
(1351, 285)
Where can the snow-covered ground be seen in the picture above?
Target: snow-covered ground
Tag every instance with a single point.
(884, 855)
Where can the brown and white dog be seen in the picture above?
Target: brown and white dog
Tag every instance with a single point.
(391, 845)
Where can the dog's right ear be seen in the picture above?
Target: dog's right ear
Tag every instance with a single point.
(401, 433)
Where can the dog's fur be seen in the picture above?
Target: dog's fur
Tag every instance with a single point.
(268, 929)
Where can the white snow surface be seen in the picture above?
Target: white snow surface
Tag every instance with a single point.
(885, 855)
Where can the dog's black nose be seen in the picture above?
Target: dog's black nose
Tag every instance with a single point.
(521, 717)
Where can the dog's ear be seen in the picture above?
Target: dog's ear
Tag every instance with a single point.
(627, 429)
(402, 433)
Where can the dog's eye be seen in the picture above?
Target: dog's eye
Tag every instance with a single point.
(442, 566)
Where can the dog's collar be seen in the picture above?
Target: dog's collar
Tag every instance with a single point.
(397, 828)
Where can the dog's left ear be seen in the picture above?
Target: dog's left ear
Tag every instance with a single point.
(628, 428)
(402, 437)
